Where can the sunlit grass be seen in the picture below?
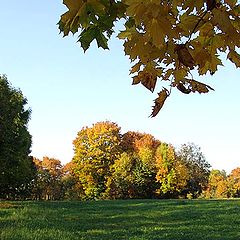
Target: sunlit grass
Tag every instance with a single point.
(126, 219)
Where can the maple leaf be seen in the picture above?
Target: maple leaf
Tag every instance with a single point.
(199, 87)
(147, 79)
(69, 21)
(184, 56)
(158, 102)
(188, 22)
(156, 33)
(86, 37)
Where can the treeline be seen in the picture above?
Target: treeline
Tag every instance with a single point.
(106, 163)
(111, 165)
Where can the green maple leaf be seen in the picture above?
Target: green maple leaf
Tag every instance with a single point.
(86, 37)
(102, 41)
(91, 33)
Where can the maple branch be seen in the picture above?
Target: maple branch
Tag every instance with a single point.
(211, 4)
(195, 27)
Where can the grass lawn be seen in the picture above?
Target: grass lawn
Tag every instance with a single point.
(125, 219)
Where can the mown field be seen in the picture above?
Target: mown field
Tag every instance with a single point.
(125, 219)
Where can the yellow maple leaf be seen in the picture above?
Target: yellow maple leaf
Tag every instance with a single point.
(156, 33)
(75, 9)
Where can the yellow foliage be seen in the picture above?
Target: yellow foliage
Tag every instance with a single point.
(172, 37)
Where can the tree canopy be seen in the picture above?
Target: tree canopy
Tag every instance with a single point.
(166, 41)
(95, 150)
(16, 166)
(197, 165)
(172, 173)
(108, 164)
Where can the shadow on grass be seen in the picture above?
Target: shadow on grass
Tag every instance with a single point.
(126, 219)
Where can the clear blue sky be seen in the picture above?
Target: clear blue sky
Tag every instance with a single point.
(68, 89)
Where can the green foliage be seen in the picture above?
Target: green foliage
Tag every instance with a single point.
(165, 40)
(198, 168)
(121, 183)
(95, 18)
(72, 188)
(128, 219)
(133, 174)
(131, 178)
(16, 167)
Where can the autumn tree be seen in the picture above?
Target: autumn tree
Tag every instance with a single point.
(54, 167)
(128, 143)
(47, 183)
(72, 188)
(16, 167)
(165, 40)
(198, 168)
(126, 177)
(40, 182)
(95, 150)
(234, 182)
(171, 174)
(142, 144)
(133, 174)
(217, 185)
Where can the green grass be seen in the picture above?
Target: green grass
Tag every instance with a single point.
(126, 219)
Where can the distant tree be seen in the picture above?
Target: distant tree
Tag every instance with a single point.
(171, 174)
(144, 146)
(72, 188)
(16, 167)
(41, 181)
(47, 185)
(121, 182)
(198, 168)
(234, 182)
(147, 166)
(133, 174)
(54, 167)
(165, 40)
(95, 150)
(131, 178)
(217, 185)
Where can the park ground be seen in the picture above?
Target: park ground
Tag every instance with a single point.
(120, 219)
